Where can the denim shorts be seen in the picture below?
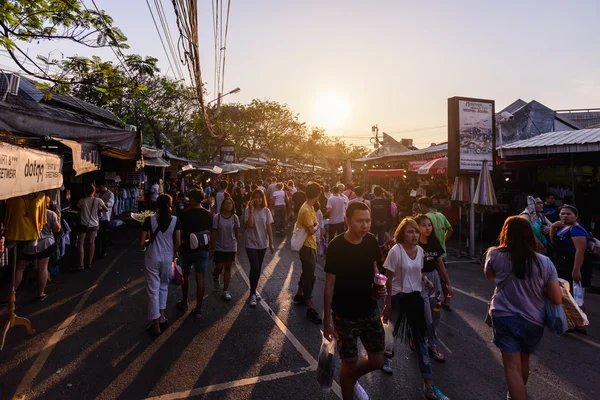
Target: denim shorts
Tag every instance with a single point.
(197, 259)
(514, 334)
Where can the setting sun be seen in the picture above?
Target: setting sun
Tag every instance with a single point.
(331, 110)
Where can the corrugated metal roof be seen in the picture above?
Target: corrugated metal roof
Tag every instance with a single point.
(584, 140)
(440, 149)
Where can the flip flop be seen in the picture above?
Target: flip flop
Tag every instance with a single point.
(152, 332)
(446, 307)
(181, 306)
(41, 298)
(197, 314)
(163, 325)
(437, 355)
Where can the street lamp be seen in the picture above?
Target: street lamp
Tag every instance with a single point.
(220, 96)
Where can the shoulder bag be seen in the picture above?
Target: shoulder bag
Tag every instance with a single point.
(501, 285)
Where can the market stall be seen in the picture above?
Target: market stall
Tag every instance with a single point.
(24, 175)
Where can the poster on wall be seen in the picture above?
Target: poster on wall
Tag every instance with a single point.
(24, 171)
(471, 138)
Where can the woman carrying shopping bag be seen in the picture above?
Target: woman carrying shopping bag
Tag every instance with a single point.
(161, 237)
(523, 277)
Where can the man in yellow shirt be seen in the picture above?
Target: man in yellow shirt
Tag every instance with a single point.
(307, 219)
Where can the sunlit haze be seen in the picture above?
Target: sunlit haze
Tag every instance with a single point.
(346, 65)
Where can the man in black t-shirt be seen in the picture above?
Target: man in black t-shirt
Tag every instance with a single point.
(350, 269)
(199, 221)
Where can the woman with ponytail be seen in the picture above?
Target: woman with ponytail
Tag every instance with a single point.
(161, 237)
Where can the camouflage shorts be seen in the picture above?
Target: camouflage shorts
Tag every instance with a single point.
(369, 330)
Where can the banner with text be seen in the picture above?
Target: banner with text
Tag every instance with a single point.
(470, 135)
(24, 171)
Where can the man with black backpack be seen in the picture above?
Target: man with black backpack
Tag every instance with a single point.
(196, 223)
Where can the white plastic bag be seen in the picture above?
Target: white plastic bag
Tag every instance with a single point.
(325, 366)
(298, 238)
(388, 328)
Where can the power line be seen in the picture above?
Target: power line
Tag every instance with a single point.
(160, 37)
(225, 47)
(109, 45)
(167, 31)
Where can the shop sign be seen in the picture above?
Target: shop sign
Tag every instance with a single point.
(86, 157)
(24, 171)
(471, 138)
(227, 154)
(415, 165)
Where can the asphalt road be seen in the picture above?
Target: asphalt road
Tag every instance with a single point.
(91, 343)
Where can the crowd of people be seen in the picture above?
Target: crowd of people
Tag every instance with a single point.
(362, 234)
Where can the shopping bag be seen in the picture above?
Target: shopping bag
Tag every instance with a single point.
(556, 319)
(325, 365)
(298, 238)
(176, 274)
(575, 316)
(388, 328)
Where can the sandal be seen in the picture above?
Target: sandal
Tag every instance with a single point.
(446, 307)
(197, 314)
(77, 269)
(181, 306)
(437, 355)
(41, 298)
(152, 332)
(163, 325)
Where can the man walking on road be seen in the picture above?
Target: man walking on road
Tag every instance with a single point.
(109, 199)
(307, 219)
(443, 231)
(336, 206)
(196, 223)
(350, 269)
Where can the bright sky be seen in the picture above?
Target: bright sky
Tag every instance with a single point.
(349, 64)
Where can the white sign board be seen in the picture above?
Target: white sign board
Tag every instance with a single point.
(476, 127)
(25, 171)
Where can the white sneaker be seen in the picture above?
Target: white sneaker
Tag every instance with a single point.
(226, 295)
(258, 298)
(359, 392)
(252, 301)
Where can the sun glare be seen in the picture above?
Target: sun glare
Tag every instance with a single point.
(331, 110)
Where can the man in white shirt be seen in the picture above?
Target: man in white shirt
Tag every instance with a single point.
(271, 188)
(109, 199)
(220, 196)
(336, 206)
(359, 191)
(279, 203)
(341, 188)
(154, 191)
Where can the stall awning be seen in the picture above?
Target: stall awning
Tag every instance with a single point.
(564, 142)
(24, 171)
(86, 156)
(386, 172)
(156, 162)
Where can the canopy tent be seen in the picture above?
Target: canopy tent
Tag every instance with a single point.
(156, 162)
(438, 166)
(386, 172)
(484, 196)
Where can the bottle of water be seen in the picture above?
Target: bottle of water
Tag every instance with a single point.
(578, 293)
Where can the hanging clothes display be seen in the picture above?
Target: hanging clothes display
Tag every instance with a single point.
(25, 217)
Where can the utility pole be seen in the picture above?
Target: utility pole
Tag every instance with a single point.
(375, 139)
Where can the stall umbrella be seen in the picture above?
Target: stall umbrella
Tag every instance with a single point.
(484, 196)
(24, 171)
(460, 194)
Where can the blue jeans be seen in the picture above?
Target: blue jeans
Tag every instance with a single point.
(256, 258)
(279, 218)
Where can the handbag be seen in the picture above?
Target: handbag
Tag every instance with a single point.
(298, 238)
(501, 285)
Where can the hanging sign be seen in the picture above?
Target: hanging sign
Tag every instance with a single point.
(24, 171)
(471, 137)
(86, 157)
